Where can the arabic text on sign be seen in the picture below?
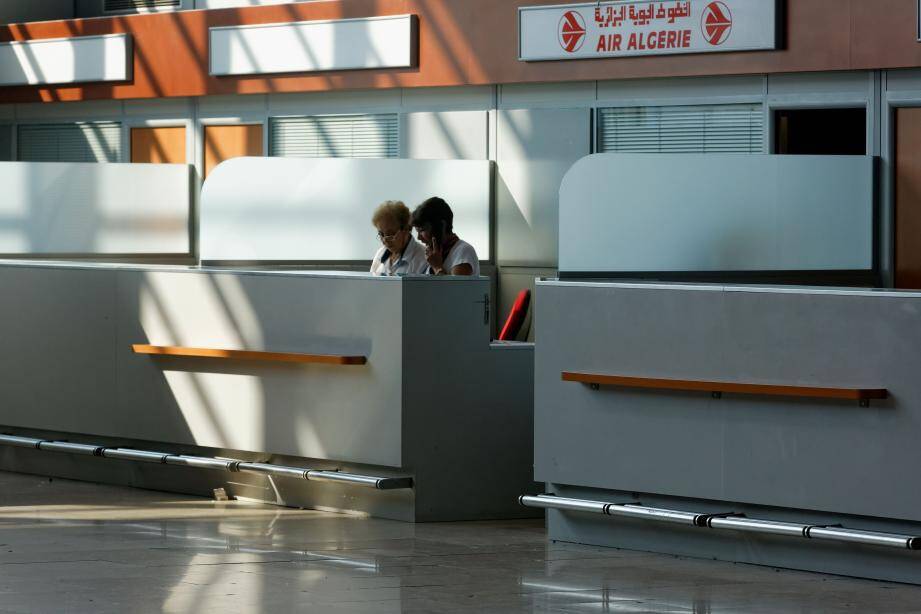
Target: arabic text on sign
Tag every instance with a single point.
(614, 17)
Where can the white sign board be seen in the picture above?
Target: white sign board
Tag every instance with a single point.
(623, 29)
(310, 46)
(83, 59)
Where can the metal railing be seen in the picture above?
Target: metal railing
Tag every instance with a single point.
(204, 462)
(724, 521)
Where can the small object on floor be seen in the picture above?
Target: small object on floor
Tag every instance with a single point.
(220, 495)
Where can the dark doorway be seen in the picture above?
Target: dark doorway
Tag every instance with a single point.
(908, 198)
(822, 132)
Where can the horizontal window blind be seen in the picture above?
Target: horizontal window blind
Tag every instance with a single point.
(112, 6)
(335, 136)
(731, 128)
(76, 142)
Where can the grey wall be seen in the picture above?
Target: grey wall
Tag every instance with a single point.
(534, 150)
(468, 406)
(446, 135)
(100, 387)
(822, 455)
(536, 147)
(326, 412)
(18, 11)
(436, 401)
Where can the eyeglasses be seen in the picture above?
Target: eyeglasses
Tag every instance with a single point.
(391, 237)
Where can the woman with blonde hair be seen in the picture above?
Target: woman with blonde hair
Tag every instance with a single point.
(400, 254)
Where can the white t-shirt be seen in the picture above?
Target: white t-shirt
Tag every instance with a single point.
(411, 261)
(462, 253)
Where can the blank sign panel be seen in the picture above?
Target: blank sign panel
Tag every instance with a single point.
(310, 46)
(82, 59)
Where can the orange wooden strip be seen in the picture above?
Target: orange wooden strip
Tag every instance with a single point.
(170, 350)
(854, 394)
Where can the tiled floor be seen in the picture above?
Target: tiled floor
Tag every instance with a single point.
(76, 547)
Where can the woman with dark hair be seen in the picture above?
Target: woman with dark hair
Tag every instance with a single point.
(445, 252)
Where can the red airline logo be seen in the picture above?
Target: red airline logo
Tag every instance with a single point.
(572, 31)
(716, 23)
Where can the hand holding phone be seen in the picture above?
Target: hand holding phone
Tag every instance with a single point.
(434, 255)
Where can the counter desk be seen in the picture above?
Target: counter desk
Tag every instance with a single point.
(772, 425)
(231, 378)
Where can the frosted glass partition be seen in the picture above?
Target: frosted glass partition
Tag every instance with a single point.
(269, 209)
(712, 213)
(94, 208)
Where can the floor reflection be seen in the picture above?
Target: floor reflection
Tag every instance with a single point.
(76, 547)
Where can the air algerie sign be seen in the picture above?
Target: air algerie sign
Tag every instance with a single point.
(628, 28)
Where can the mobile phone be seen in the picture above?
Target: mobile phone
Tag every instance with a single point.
(438, 233)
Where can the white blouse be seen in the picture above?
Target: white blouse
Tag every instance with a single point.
(462, 253)
(411, 261)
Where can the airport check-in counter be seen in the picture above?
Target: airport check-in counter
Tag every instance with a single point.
(776, 425)
(390, 379)
(329, 390)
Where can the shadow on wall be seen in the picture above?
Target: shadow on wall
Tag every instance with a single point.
(439, 31)
(438, 19)
(35, 225)
(30, 66)
(440, 135)
(29, 69)
(245, 405)
(536, 148)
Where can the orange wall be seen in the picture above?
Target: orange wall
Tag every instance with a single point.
(158, 145)
(464, 42)
(225, 142)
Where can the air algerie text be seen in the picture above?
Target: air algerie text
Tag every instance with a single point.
(641, 41)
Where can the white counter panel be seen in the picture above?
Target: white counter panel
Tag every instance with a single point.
(270, 209)
(717, 212)
(94, 208)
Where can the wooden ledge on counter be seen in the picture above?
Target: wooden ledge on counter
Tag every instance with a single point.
(862, 395)
(178, 351)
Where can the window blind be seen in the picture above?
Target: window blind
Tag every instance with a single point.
(335, 136)
(731, 128)
(75, 142)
